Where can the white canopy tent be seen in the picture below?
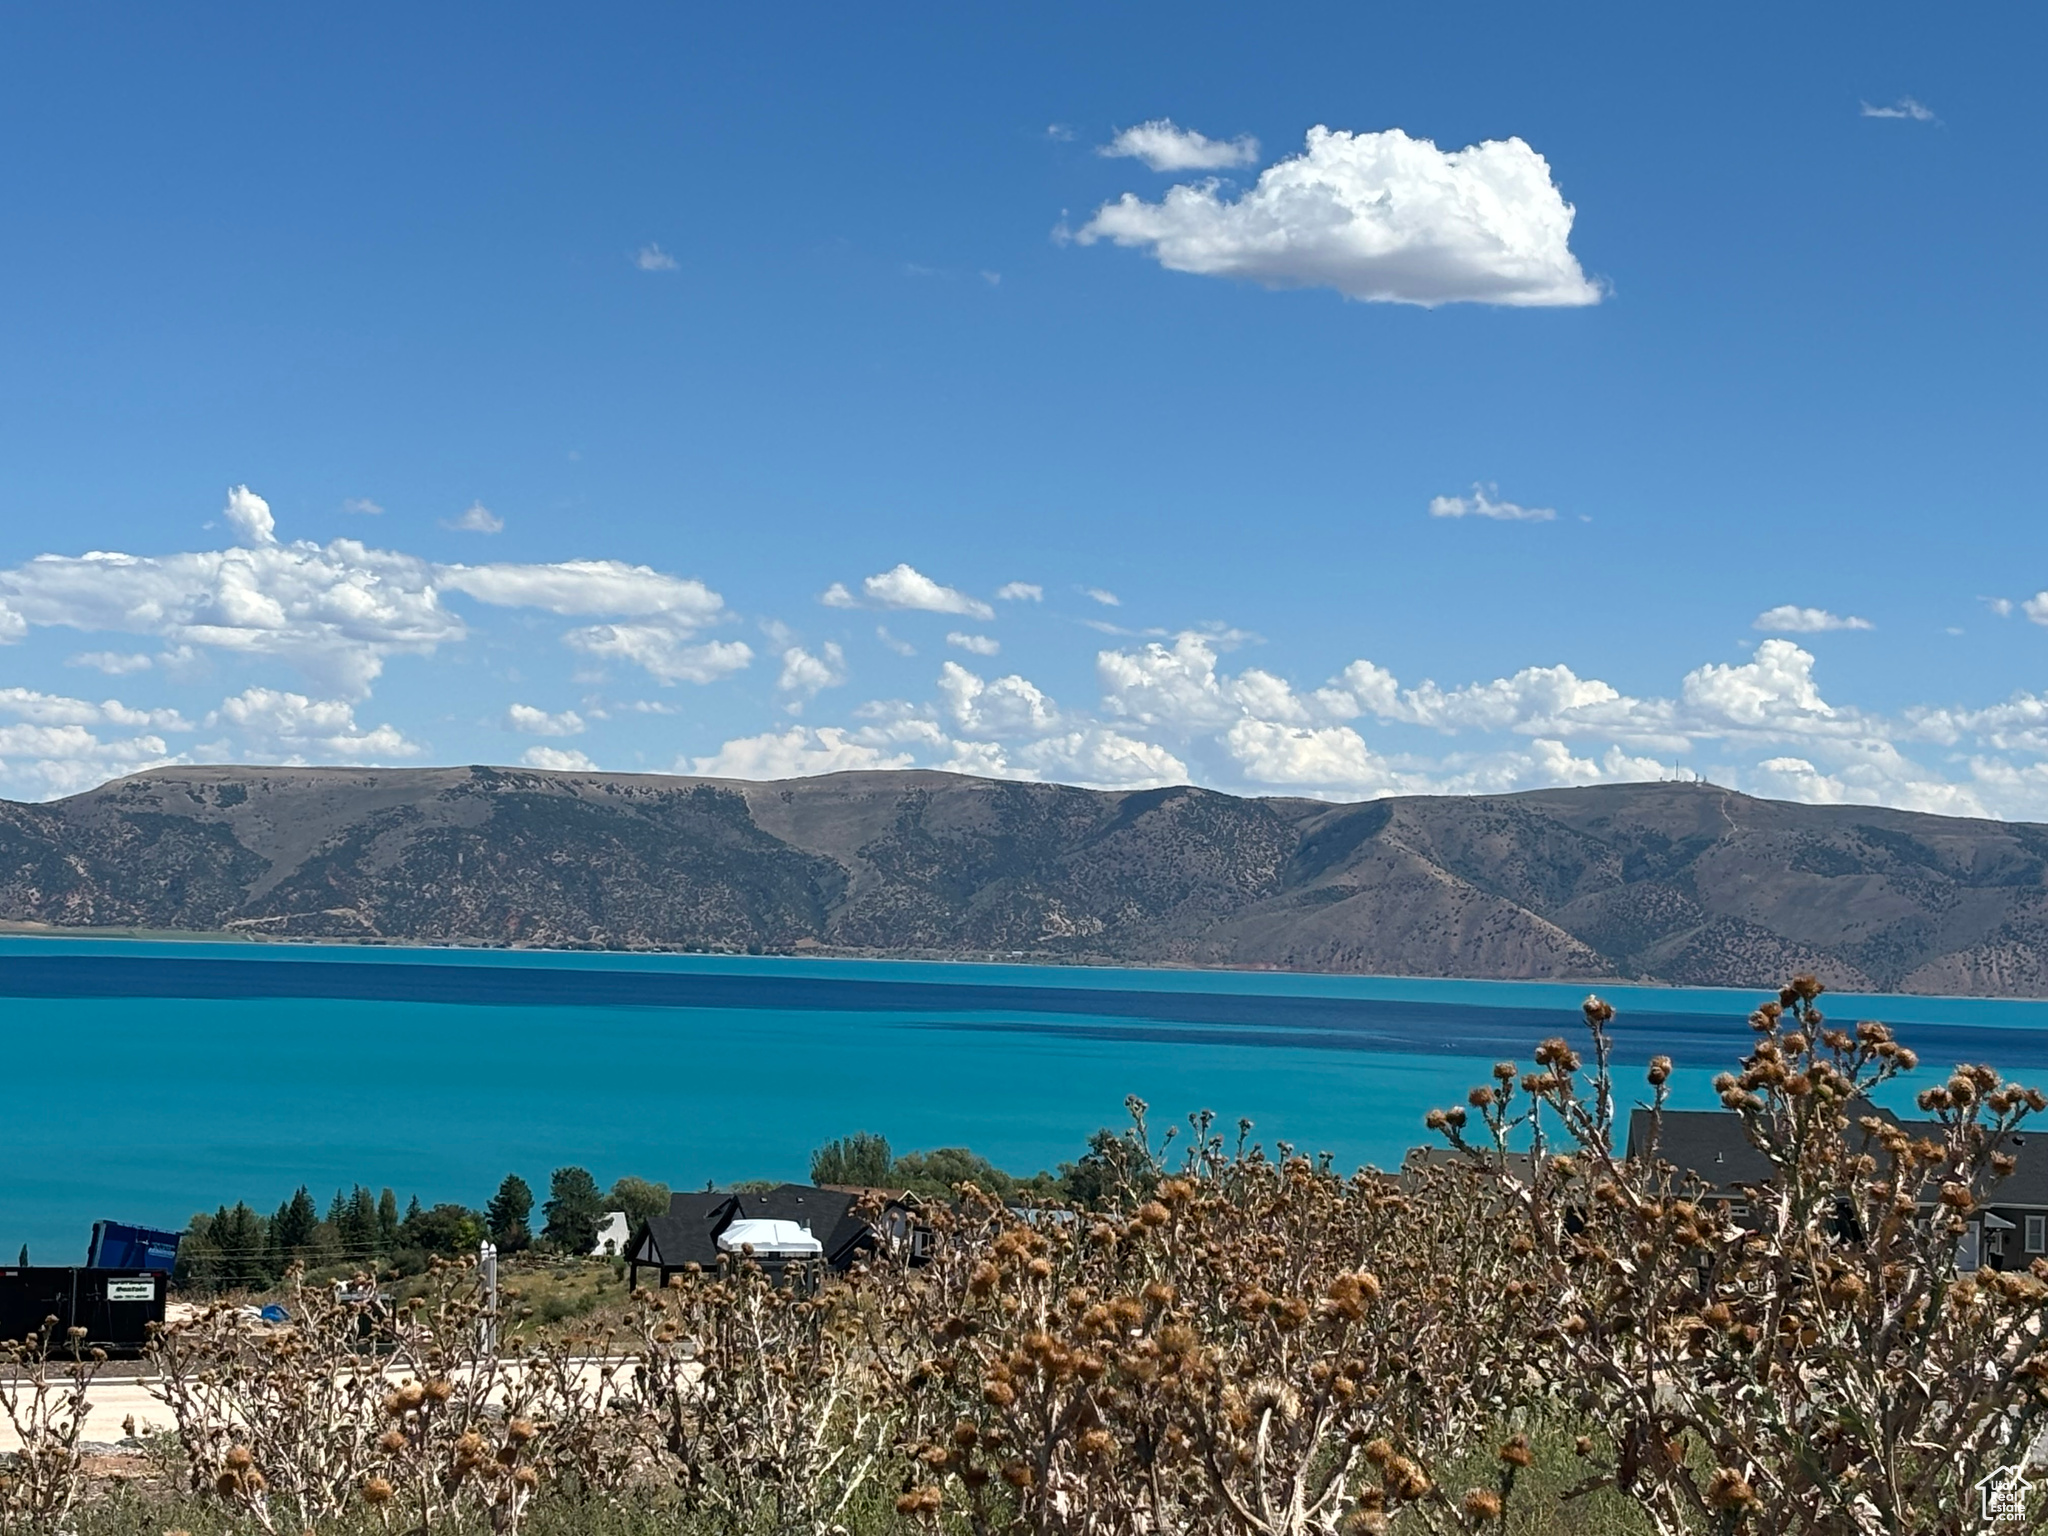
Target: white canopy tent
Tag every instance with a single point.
(766, 1239)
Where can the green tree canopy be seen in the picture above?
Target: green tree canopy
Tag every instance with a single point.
(861, 1159)
(506, 1215)
(448, 1229)
(641, 1199)
(575, 1210)
(935, 1173)
(1115, 1168)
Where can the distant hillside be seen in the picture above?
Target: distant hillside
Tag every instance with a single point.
(1669, 882)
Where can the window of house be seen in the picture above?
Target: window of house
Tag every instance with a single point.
(2037, 1234)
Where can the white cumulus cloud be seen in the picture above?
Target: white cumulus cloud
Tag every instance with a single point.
(806, 674)
(560, 759)
(530, 721)
(587, 586)
(249, 515)
(798, 752)
(1020, 592)
(1008, 706)
(1484, 502)
(662, 650)
(652, 258)
(1376, 216)
(974, 645)
(1099, 757)
(1790, 619)
(476, 518)
(905, 587)
(279, 726)
(1165, 147)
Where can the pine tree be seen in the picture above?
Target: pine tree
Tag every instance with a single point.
(362, 1222)
(387, 1221)
(575, 1210)
(242, 1249)
(293, 1228)
(507, 1215)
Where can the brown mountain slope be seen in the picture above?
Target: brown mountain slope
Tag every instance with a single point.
(1674, 882)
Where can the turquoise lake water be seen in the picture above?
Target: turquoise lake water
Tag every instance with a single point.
(153, 1080)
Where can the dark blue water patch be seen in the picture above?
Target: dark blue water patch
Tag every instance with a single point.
(1690, 1040)
(46, 976)
(1131, 1014)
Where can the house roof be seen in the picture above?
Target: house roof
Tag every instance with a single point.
(689, 1232)
(1710, 1144)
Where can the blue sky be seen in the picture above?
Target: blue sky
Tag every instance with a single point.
(646, 332)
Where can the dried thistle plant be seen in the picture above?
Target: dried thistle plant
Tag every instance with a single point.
(1814, 1362)
(44, 1391)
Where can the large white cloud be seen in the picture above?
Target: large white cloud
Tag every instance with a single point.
(334, 612)
(1376, 216)
(337, 612)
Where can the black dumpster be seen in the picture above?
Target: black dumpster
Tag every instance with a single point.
(114, 1306)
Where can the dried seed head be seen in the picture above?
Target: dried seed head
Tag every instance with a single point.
(1270, 1395)
(1729, 1491)
(377, 1490)
(1482, 1504)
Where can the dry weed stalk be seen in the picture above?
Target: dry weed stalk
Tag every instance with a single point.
(44, 1396)
(755, 1397)
(349, 1403)
(1815, 1363)
(1262, 1347)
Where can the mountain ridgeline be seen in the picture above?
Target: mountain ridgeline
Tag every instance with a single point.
(1681, 883)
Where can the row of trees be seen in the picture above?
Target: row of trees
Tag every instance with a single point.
(866, 1160)
(237, 1247)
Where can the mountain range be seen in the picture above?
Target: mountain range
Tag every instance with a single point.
(1677, 882)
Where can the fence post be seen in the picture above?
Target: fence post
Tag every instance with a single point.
(487, 1261)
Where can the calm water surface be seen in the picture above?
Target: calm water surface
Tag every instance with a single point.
(152, 1080)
